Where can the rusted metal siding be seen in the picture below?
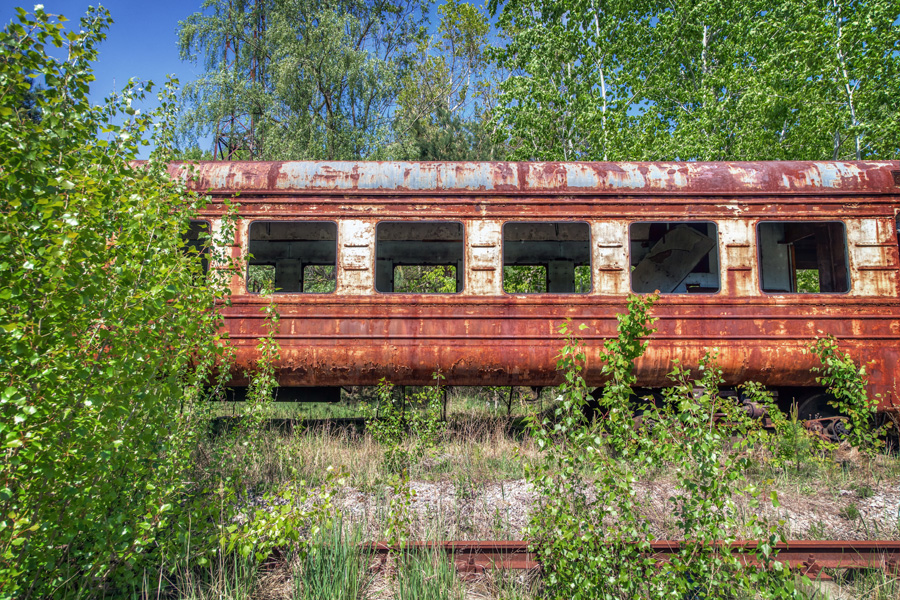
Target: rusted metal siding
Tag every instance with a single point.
(805, 178)
(484, 336)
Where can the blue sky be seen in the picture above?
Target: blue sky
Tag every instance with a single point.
(141, 42)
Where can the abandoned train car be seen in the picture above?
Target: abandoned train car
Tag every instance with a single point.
(755, 259)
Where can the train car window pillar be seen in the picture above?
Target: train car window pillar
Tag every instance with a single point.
(797, 257)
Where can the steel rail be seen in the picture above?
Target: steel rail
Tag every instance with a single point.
(807, 556)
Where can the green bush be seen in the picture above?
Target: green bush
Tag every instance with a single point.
(847, 384)
(110, 341)
(585, 527)
(588, 527)
(109, 333)
(791, 443)
(406, 428)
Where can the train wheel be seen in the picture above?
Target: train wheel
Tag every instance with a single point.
(821, 418)
(816, 406)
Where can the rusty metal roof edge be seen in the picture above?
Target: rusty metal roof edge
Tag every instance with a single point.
(790, 177)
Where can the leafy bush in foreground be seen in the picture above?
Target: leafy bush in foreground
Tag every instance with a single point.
(588, 526)
(109, 333)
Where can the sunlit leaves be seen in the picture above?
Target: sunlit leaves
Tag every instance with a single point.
(704, 80)
(102, 367)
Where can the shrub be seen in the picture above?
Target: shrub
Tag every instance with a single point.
(791, 442)
(588, 527)
(407, 430)
(585, 527)
(110, 341)
(847, 384)
(109, 329)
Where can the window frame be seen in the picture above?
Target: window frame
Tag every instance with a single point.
(337, 257)
(717, 248)
(462, 268)
(209, 247)
(759, 276)
(590, 263)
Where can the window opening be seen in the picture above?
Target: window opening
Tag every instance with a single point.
(799, 257)
(196, 240)
(294, 257)
(419, 257)
(540, 258)
(261, 279)
(674, 258)
(418, 279)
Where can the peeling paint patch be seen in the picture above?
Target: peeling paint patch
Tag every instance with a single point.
(585, 178)
(393, 176)
(629, 177)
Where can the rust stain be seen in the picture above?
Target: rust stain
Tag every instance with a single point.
(356, 336)
(809, 557)
(776, 177)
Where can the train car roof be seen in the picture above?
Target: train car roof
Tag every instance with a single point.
(527, 178)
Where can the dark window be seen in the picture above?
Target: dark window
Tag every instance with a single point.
(674, 257)
(552, 258)
(419, 257)
(802, 257)
(196, 241)
(292, 257)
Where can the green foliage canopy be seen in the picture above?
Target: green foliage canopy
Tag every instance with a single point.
(297, 78)
(704, 80)
(108, 330)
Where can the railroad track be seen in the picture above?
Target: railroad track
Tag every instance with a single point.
(809, 557)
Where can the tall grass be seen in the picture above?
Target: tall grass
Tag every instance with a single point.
(230, 577)
(427, 576)
(333, 567)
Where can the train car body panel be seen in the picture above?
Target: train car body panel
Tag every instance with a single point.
(768, 222)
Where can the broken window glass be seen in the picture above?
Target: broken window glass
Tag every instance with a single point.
(419, 257)
(803, 257)
(674, 257)
(196, 241)
(552, 258)
(294, 257)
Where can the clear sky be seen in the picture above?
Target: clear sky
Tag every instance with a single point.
(141, 43)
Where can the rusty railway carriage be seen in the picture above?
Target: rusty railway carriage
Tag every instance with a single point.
(755, 259)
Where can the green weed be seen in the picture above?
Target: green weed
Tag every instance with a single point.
(332, 569)
(847, 383)
(426, 576)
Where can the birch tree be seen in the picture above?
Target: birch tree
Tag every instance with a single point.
(700, 80)
(447, 95)
(563, 99)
